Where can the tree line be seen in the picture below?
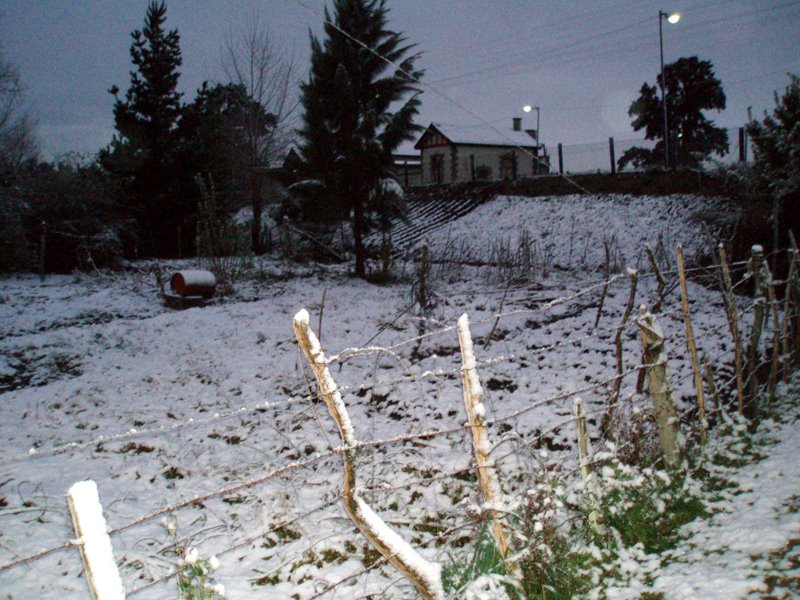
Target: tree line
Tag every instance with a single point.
(143, 194)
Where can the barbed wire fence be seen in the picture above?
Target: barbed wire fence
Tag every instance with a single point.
(549, 439)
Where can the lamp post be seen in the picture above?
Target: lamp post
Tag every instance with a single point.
(528, 108)
(672, 18)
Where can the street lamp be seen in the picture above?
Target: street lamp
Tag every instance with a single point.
(671, 18)
(528, 108)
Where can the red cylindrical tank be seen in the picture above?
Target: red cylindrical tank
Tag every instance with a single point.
(193, 282)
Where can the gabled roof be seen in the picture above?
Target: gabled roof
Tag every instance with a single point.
(478, 135)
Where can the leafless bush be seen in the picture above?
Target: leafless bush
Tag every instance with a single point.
(218, 244)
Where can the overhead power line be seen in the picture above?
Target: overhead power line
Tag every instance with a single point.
(442, 95)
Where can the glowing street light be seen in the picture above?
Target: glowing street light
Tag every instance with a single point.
(671, 18)
(528, 108)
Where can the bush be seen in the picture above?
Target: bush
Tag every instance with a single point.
(84, 227)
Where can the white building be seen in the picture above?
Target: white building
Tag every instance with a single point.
(453, 153)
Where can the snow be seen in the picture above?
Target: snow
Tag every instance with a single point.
(94, 540)
(100, 381)
(430, 573)
(197, 277)
(481, 135)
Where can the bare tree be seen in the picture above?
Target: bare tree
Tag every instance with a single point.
(251, 58)
(17, 128)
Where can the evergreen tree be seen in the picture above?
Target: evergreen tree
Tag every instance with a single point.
(141, 152)
(349, 131)
(692, 88)
(776, 142)
(214, 132)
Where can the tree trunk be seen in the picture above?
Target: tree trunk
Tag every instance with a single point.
(358, 238)
(255, 202)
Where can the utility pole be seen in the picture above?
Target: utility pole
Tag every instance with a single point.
(672, 18)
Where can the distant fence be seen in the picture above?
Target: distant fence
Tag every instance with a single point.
(602, 157)
(730, 380)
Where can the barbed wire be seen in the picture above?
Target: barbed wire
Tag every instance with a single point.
(284, 469)
(273, 528)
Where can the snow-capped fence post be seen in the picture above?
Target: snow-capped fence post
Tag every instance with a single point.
(423, 574)
(584, 458)
(690, 342)
(97, 554)
(733, 324)
(476, 414)
(660, 386)
(651, 258)
(759, 317)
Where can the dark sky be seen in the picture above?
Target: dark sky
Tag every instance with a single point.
(581, 61)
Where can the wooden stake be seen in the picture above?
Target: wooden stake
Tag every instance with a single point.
(605, 287)
(476, 414)
(795, 312)
(634, 276)
(759, 316)
(659, 278)
(733, 323)
(97, 553)
(425, 575)
(584, 457)
(776, 333)
(687, 321)
(712, 387)
(787, 312)
(660, 386)
(42, 250)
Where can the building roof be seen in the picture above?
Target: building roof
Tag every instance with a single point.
(480, 135)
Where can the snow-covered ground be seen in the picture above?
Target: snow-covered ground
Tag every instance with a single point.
(99, 381)
(750, 546)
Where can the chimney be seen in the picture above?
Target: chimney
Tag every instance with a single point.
(533, 133)
(517, 123)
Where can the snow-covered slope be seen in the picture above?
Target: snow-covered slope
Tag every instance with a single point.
(570, 231)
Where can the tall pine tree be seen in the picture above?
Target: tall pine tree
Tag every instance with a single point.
(350, 128)
(692, 87)
(141, 152)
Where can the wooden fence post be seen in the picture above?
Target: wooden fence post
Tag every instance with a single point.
(660, 386)
(733, 324)
(708, 373)
(776, 330)
(659, 278)
(634, 277)
(687, 322)
(423, 574)
(97, 553)
(789, 311)
(759, 316)
(611, 155)
(476, 413)
(584, 457)
(42, 250)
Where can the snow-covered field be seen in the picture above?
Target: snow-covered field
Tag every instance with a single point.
(99, 381)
